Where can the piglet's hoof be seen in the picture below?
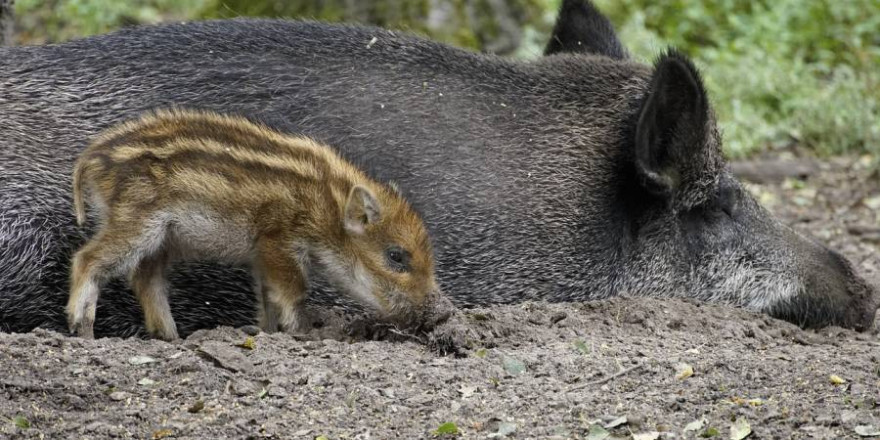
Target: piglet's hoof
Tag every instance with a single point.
(83, 330)
(250, 330)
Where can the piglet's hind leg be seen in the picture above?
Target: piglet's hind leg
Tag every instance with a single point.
(91, 267)
(150, 284)
(85, 283)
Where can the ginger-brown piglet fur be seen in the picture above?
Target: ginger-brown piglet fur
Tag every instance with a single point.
(185, 185)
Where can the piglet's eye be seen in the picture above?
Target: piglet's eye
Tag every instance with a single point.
(398, 259)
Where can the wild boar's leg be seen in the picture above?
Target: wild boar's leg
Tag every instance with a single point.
(150, 284)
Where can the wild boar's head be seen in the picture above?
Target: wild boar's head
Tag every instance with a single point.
(694, 231)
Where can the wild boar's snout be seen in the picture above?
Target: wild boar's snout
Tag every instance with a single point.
(859, 297)
(833, 292)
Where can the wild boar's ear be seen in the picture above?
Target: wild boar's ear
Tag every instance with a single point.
(581, 28)
(671, 127)
(361, 209)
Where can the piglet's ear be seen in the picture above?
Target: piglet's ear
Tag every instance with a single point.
(671, 129)
(361, 209)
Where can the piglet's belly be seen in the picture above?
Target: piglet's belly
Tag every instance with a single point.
(204, 235)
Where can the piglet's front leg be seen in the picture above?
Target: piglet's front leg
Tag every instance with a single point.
(282, 287)
(267, 312)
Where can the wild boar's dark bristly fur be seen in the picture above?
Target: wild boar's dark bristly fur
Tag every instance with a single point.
(577, 176)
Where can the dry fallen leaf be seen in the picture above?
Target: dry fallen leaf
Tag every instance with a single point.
(872, 202)
(744, 401)
(696, 425)
(867, 431)
(597, 432)
(616, 422)
(740, 429)
(466, 391)
(162, 433)
(504, 430)
(683, 371)
(141, 360)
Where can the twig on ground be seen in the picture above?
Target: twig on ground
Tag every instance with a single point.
(609, 378)
(625, 371)
(406, 335)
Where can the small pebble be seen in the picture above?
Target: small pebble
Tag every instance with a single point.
(118, 395)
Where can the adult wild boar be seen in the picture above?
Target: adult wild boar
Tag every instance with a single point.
(577, 176)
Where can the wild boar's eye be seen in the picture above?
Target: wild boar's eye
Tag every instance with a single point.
(398, 259)
(728, 199)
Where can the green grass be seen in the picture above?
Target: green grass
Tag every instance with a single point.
(780, 72)
(48, 21)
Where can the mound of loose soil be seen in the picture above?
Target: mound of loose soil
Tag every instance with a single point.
(656, 369)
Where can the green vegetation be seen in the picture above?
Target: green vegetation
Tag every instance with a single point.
(447, 429)
(21, 422)
(476, 24)
(780, 72)
(48, 21)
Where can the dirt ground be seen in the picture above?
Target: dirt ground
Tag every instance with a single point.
(624, 368)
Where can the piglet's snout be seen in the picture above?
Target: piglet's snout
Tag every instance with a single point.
(437, 311)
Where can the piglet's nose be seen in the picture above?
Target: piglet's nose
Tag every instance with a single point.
(439, 309)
